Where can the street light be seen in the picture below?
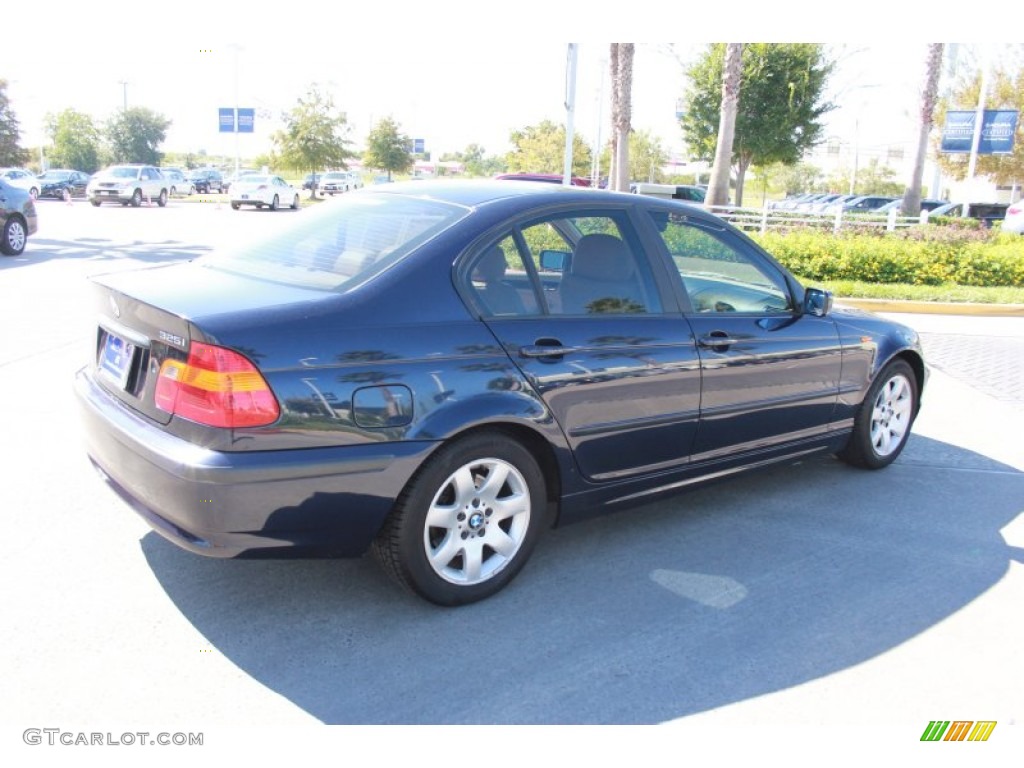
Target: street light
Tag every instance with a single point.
(856, 132)
(124, 88)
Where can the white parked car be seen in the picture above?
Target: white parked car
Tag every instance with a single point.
(21, 178)
(334, 183)
(126, 184)
(261, 189)
(1013, 221)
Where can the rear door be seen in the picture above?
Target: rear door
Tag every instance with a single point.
(574, 300)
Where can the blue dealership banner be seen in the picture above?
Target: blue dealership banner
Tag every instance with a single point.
(997, 130)
(227, 119)
(244, 124)
(246, 119)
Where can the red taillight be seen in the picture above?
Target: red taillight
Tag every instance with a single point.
(217, 387)
(1015, 209)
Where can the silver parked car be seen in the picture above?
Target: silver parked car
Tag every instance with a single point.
(178, 183)
(18, 213)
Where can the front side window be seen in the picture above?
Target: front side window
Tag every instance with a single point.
(716, 275)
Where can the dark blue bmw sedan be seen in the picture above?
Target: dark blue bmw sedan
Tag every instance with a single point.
(439, 371)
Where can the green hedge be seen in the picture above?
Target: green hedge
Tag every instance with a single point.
(918, 256)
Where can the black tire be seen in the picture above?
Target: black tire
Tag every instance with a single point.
(882, 425)
(456, 561)
(95, 203)
(15, 236)
(162, 200)
(235, 206)
(136, 198)
(274, 203)
(295, 203)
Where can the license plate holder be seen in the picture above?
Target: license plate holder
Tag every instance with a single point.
(116, 359)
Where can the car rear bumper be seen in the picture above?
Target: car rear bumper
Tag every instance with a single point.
(304, 502)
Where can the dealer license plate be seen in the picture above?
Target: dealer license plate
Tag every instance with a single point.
(116, 360)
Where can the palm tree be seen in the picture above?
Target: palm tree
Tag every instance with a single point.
(718, 189)
(912, 195)
(621, 59)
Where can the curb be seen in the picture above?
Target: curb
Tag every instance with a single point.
(935, 307)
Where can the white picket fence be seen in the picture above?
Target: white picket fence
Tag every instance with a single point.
(765, 219)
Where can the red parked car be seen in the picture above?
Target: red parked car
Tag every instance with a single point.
(551, 178)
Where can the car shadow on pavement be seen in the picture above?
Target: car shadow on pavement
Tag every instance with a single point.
(98, 249)
(708, 598)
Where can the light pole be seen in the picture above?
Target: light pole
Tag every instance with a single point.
(235, 47)
(596, 164)
(124, 90)
(570, 109)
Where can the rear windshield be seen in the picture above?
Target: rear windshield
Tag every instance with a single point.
(340, 244)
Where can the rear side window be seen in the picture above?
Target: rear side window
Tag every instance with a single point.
(580, 263)
(342, 243)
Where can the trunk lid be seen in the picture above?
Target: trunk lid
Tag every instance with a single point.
(142, 321)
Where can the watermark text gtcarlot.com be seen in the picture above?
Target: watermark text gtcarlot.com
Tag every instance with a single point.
(56, 736)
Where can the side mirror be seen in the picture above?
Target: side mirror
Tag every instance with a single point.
(553, 261)
(817, 302)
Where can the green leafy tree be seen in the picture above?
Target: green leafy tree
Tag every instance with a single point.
(476, 161)
(387, 148)
(315, 136)
(872, 179)
(541, 149)
(801, 177)
(1005, 91)
(134, 134)
(76, 141)
(779, 110)
(647, 157)
(11, 152)
(266, 159)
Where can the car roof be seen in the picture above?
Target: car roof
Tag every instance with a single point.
(478, 192)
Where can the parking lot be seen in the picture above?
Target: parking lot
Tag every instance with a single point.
(812, 599)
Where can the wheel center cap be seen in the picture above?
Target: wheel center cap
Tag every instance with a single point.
(475, 521)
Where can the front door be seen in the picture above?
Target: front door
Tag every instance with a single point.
(770, 373)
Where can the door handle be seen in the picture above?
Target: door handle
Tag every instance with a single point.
(719, 341)
(545, 347)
